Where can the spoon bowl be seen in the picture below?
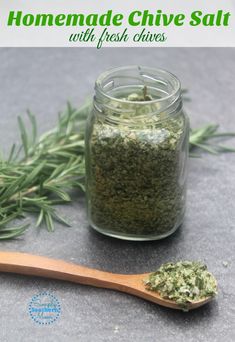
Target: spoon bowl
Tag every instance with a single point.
(35, 265)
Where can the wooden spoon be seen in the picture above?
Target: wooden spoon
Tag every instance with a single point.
(133, 284)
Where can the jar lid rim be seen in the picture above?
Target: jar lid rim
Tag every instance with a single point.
(101, 78)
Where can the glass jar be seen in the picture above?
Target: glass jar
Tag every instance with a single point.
(136, 154)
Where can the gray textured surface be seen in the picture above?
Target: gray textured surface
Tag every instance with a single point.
(43, 79)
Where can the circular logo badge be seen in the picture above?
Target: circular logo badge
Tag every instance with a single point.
(44, 308)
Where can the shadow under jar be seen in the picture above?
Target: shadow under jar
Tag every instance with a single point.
(136, 154)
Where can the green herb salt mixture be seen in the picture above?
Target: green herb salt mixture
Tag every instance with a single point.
(183, 282)
(136, 178)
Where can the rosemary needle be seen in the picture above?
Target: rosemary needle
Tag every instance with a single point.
(53, 164)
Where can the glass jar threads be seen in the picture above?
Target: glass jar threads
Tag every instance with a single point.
(136, 154)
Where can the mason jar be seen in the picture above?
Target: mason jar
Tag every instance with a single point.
(136, 154)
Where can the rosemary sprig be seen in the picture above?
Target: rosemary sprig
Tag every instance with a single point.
(204, 139)
(51, 166)
(54, 164)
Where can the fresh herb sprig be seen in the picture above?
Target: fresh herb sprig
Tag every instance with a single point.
(53, 164)
(204, 138)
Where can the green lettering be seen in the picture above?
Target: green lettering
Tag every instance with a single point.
(226, 18)
(219, 17)
(43, 20)
(208, 20)
(158, 18)
(117, 19)
(132, 20)
(196, 20)
(14, 19)
(179, 19)
(59, 19)
(147, 19)
(28, 20)
(105, 19)
(74, 20)
(91, 19)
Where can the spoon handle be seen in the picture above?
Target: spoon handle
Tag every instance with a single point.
(36, 265)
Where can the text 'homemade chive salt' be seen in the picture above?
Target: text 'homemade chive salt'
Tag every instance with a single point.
(183, 282)
(136, 154)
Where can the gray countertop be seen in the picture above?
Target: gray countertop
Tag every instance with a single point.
(43, 80)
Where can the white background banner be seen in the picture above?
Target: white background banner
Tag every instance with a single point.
(213, 23)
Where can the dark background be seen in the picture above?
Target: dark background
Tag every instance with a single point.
(43, 80)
